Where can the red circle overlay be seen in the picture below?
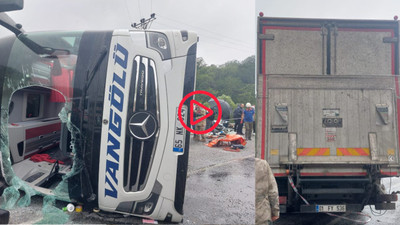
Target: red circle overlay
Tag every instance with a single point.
(201, 93)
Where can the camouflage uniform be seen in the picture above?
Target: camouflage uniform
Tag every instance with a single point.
(267, 197)
(201, 125)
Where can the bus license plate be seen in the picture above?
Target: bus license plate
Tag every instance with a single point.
(331, 208)
(180, 131)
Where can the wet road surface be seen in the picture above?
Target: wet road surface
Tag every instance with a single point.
(220, 186)
(219, 190)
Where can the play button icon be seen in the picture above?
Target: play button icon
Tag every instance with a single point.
(193, 104)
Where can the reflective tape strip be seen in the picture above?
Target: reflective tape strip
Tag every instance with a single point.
(313, 151)
(352, 152)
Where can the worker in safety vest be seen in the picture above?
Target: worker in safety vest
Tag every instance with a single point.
(267, 197)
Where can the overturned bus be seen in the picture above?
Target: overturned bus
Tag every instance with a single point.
(90, 117)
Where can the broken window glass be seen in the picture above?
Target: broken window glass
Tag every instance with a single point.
(37, 136)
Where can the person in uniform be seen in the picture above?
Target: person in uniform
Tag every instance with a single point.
(200, 126)
(267, 197)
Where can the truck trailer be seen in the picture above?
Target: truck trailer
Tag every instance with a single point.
(328, 111)
(92, 117)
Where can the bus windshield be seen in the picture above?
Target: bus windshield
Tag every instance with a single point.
(26, 68)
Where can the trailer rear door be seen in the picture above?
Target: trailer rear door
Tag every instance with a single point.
(358, 49)
(311, 115)
(303, 51)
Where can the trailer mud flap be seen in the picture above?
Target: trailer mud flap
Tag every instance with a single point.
(385, 206)
(385, 202)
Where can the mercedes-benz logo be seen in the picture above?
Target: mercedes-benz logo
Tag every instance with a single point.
(143, 125)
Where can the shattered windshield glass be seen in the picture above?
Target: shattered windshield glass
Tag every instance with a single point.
(37, 142)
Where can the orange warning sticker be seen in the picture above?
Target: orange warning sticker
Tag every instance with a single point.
(352, 152)
(313, 151)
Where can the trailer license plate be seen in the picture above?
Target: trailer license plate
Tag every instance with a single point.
(331, 208)
(180, 131)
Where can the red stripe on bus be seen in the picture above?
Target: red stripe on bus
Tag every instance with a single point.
(42, 150)
(37, 131)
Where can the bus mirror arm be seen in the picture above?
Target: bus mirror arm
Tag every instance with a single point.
(10, 25)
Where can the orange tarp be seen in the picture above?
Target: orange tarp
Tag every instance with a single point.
(227, 140)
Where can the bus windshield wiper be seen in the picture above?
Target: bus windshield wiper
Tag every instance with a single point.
(9, 23)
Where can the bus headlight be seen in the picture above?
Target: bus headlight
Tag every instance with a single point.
(159, 42)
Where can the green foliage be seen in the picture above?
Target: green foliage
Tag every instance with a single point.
(232, 81)
(206, 104)
(228, 99)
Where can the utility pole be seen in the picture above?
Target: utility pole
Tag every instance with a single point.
(144, 23)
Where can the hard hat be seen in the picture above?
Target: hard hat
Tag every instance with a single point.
(248, 104)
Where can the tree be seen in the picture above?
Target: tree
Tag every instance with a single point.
(228, 99)
(233, 79)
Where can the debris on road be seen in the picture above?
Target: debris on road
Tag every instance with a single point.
(52, 214)
(78, 208)
(234, 148)
(149, 221)
(228, 140)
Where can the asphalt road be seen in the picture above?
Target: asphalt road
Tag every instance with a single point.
(374, 217)
(220, 186)
(219, 190)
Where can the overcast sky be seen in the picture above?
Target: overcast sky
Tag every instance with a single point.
(335, 9)
(226, 27)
